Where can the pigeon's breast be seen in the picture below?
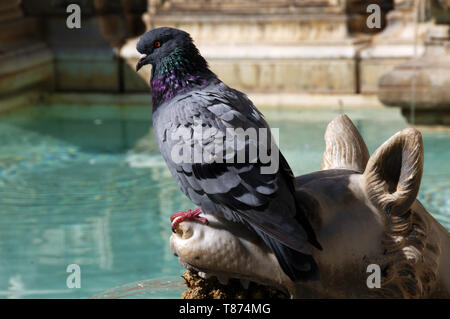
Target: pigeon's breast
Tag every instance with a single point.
(180, 118)
(181, 129)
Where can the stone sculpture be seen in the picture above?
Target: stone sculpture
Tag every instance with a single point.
(364, 211)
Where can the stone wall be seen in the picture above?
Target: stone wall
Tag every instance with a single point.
(421, 86)
(271, 45)
(87, 59)
(400, 41)
(267, 47)
(25, 60)
(257, 46)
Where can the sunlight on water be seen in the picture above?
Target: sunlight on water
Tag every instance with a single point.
(88, 186)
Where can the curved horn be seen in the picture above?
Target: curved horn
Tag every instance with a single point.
(344, 146)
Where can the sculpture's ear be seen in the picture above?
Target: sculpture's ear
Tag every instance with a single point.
(344, 146)
(394, 172)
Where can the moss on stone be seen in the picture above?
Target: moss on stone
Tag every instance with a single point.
(211, 288)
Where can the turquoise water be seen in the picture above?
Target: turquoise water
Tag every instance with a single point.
(87, 186)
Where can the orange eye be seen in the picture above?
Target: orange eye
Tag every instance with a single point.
(157, 44)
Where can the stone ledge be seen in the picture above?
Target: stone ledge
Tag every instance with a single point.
(251, 17)
(296, 101)
(24, 56)
(261, 100)
(90, 99)
(15, 101)
(40, 75)
(392, 51)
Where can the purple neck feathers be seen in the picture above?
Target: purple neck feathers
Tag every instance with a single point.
(165, 86)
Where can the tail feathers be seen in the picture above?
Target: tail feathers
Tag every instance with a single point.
(297, 266)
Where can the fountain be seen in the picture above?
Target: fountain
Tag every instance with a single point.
(420, 85)
(271, 46)
(277, 48)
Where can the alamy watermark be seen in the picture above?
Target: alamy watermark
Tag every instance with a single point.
(74, 279)
(374, 19)
(374, 279)
(73, 21)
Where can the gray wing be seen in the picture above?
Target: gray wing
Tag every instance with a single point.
(238, 190)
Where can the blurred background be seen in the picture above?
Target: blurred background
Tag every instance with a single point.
(81, 179)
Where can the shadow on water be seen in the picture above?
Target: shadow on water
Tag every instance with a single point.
(89, 128)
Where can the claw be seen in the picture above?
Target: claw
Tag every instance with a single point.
(182, 216)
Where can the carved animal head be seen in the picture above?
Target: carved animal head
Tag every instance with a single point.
(364, 211)
(378, 209)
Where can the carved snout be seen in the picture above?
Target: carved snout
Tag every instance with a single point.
(220, 249)
(184, 230)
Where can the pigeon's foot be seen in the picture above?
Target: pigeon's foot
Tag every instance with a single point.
(189, 215)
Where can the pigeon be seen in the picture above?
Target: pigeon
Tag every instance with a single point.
(193, 112)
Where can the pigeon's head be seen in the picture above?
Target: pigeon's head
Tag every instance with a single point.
(157, 44)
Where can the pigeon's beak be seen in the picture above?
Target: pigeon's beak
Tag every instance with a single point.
(142, 61)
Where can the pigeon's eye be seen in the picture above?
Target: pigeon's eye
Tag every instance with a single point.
(157, 44)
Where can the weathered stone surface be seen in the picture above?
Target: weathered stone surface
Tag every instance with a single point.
(424, 84)
(200, 288)
(26, 63)
(93, 33)
(88, 7)
(393, 230)
(400, 41)
(14, 101)
(372, 69)
(314, 67)
(248, 6)
(80, 75)
(440, 9)
(10, 10)
(284, 46)
(85, 59)
(421, 86)
(287, 75)
(269, 29)
(308, 75)
(26, 67)
(56, 7)
(18, 30)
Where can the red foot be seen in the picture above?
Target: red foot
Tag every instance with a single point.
(190, 214)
